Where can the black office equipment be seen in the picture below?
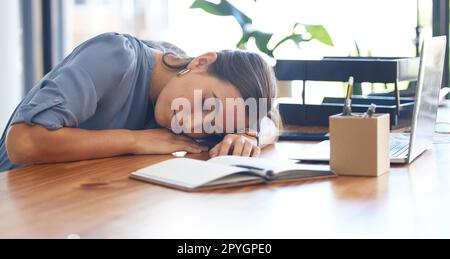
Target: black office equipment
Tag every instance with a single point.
(339, 69)
(318, 115)
(304, 136)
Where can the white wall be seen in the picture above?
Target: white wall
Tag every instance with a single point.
(10, 59)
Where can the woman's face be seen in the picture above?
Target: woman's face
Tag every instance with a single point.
(195, 89)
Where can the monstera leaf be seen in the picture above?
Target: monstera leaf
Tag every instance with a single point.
(262, 39)
(224, 8)
(318, 32)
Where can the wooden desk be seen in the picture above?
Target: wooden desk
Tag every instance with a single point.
(95, 199)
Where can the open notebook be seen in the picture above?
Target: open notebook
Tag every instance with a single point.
(227, 171)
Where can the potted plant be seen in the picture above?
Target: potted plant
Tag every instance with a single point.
(301, 33)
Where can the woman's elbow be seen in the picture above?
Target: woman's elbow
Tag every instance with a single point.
(19, 145)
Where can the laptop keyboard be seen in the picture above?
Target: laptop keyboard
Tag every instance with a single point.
(399, 149)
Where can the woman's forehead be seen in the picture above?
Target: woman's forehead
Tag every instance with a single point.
(223, 90)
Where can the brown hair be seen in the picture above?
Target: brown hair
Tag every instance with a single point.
(247, 71)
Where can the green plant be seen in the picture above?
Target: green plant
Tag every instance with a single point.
(262, 39)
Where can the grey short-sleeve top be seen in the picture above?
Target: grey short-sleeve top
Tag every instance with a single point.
(103, 84)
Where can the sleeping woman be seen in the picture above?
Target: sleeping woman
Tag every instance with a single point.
(116, 95)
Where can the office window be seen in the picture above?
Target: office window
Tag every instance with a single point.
(84, 19)
(380, 28)
(11, 60)
(441, 26)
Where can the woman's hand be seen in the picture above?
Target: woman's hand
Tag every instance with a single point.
(163, 142)
(237, 145)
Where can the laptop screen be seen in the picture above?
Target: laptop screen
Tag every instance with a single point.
(427, 96)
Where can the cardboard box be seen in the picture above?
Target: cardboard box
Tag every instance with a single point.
(360, 146)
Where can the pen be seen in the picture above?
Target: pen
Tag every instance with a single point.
(269, 174)
(348, 100)
(371, 111)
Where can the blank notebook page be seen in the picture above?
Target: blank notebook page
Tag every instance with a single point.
(187, 172)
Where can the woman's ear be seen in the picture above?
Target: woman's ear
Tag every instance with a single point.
(203, 62)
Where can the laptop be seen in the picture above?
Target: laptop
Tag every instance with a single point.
(406, 148)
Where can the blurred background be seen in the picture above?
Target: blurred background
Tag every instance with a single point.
(37, 34)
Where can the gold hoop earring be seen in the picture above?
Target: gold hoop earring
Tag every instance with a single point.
(184, 72)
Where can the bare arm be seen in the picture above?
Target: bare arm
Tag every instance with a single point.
(36, 145)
